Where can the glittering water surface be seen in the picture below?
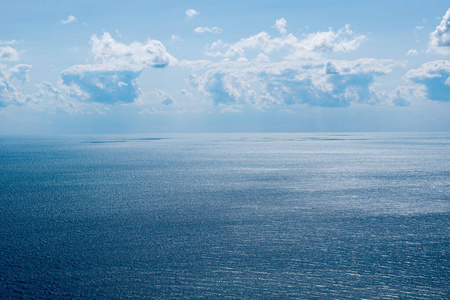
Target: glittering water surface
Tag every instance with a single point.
(225, 216)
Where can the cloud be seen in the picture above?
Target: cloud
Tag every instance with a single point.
(20, 72)
(404, 95)
(260, 83)
(440, 38)
(135, 56)
(262, 71)
(8, 54)
(207, 30)
(165, 97)
(104, 86)
(435, 76)
(308, 47)
(191, 13)
(176, 37)
(113, 77)
(9, 93)
(280, 24)
(11, 42)
(69, 19)
(49, 89)
(412, 52)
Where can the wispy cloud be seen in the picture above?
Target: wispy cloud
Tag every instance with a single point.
(176, 37)
(412, 52)
(207, 30)
(69, 19)
(11, 42)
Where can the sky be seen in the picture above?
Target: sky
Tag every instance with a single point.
(223, 66)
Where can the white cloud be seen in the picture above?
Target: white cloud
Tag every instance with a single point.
(280, 25)
(191, 13)
(419, 27)
(207, 30)
(9, 78)
(165, 98)
(260, 84)
(49, 89)
(112, 54)
(440, 38)
(11, 42)
(332, 41)
(405, 95)
(412, 52)
(268, 71)
(308, 47)
(69, 19)
(20, 72)
(113, 77)
(435, 77)
(8, 54)
(176, 37)
(52, 98)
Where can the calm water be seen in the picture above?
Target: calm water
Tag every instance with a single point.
(225, 216)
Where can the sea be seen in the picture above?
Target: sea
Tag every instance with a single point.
(225, 216)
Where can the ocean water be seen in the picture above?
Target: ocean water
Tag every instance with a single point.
(225, 216)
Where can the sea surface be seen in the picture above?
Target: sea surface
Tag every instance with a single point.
(225, 216)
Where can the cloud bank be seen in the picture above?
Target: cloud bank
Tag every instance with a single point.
(303, 74)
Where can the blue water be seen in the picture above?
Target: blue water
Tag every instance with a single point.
(272, 216)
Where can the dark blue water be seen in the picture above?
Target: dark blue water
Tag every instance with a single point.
(225, 216)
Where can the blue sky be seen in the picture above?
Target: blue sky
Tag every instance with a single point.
(223, 66)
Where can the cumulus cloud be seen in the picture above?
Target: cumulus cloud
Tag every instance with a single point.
(113, 77)
(104, 86)
(440, 38)
(191, 13)
(9, 78)
(136, 56)
(207, 30)
(20, 72)
(435, 77)
(262, 71)
(405, 95)
(8, 54)
(60, 97)
(261, 84)
(280, 25)
(68, 20)
(309, 47)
